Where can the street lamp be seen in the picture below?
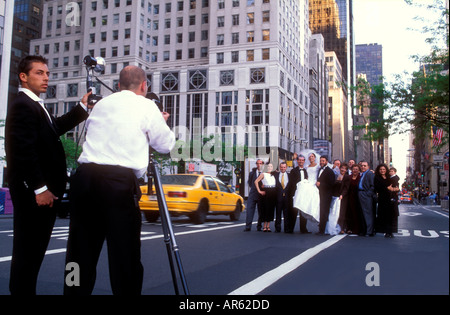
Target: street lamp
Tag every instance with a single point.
(291, 142)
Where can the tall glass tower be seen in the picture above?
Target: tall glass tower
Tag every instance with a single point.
(334, 20)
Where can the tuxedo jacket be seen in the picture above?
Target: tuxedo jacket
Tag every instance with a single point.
(34, 152)
(294, 178)
(327, 180)
(251, 182)
(287, 187)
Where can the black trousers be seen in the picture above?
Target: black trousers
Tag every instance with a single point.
(105, 207)
(325, 203)
(292, 216)
(282, 208)
(33, 227)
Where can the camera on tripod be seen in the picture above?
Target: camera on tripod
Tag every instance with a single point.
(93, 65)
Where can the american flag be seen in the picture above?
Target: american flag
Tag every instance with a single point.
(437, 136)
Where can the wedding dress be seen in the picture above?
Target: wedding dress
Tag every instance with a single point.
(333, 227)
(307, 195)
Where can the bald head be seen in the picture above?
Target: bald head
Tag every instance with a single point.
(132, 78)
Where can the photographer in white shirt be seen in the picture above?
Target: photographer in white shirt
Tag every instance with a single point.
(105, 190)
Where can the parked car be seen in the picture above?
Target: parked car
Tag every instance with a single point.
(193, 195)
(406, 198)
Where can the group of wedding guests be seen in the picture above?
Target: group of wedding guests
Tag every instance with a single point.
(342, 198)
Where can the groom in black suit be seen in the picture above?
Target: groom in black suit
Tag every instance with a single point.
(37, 170)
(325, 182)
(295, 176)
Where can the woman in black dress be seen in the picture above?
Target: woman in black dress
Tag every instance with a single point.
(354, 213)
(340, 190)
(269, 196)
(387, 211)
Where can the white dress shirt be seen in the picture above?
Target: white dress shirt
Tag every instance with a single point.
(286, 178)
(120, 129)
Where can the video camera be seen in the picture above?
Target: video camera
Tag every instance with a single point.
(94, 65)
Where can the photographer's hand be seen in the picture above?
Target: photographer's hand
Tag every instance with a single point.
(165, 115)
(84, 100)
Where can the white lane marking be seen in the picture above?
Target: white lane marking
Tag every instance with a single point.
(49, 252)
(63, 250)
(194, 231)
(437, 212)
(261, 283)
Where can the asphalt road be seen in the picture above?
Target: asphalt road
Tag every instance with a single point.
(220, 259)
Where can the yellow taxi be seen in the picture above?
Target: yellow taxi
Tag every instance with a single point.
(193, 195)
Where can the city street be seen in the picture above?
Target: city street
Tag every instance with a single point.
(220, 259)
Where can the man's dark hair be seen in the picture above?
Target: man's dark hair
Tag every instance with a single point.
(324, 157)
(25, 64)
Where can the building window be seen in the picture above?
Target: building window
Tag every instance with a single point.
(72, 90)
(51, 91)
(197, 80)
(250, 55)
(204, 52)
(220, 39)
(220, 58)
(250, 36)
(220, 21)
(169, 82)
(235, 19)
(235, 56)
(126, 50)
(227, 77)
(166, 55)
(257, 75)
(250, 18)
(235, 38)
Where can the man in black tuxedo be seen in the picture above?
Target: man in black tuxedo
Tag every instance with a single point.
(325, 182)
(295, 176)
(254, 197)
(283, 186)
(37, 170)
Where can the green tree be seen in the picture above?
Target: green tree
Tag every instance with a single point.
(422, 102)
(73, 152)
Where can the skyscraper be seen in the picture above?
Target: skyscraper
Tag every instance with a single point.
(369, 60)
(369, 63)
(334, 20)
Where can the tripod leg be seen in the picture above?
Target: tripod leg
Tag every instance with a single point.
(169, 237)
(164, 224)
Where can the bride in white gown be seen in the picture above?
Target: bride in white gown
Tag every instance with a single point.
(307, 195)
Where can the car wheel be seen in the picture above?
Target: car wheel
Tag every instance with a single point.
(234, 216)
(199, 216)
(151, 216)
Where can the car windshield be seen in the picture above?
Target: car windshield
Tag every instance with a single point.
(187, 180)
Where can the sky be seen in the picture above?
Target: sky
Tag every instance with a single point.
(389, 23)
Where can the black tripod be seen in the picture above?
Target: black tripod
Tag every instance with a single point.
(169, 237)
